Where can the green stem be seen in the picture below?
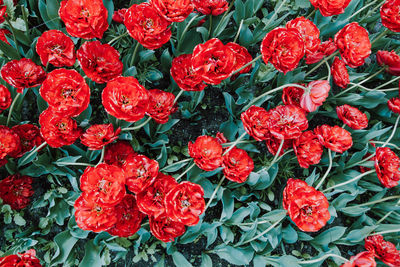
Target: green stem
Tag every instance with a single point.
(393, 132)
(389, 82)
(386, 232)
(246, 65)
(264, 232)
(33, 152)
(276, 155)
(137, 127)
(327, 171)
(241, 142)
(320, 63)
(102, 155)
(373, 202)
(10, 111)
(350, 181)
(311, 14)
(387, 214)
(275, 14)
(175, 163)
(380, 36)
(210, 19)
(235, 143)
(134, 53)
(184, 32)
(238, 32)
(272, 91)
(178, 96)
(76, 164)
(117, 38)
(323, 258)
(214, 193)
(364, 7)
(329, 71)
(390, 144)
(13, 33)
(186, 171)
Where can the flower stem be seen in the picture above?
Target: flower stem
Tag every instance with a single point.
(272, 91)
(102, 155)
(186, 171)
(387, 214)
(210, 19)
(137, 127)
(349, 181)
(214, 193)
(323, 258)
(12, 108)
(390, 144)
(178, 96)
(33, 152)
(238, 32)
(374, 202)
(327, 171)
(117, 38)
(329, 70)
(76, 164)
(393, 132)
(175, 163)
(386, 232)
(241, 142)
(264, 232)
(184, 32)
(276, 155)
(380, 36)
(311, 14)
(13, 34)
(246, 65)
(234, 143)
(363, 8)
(389, 82)
(275, 14)
(322, 62)
(134, 54)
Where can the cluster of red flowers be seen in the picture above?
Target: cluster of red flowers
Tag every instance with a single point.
(27, 259)
(16, 141)
(376, 247)
(106, 205)
(307, 207)
(210, 63)
(208, 154)
(16, 190)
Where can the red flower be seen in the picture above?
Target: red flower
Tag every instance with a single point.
(129, 220)
(5, 98)
(206, 152)
(185, 203)
(383, 250)
(147, 26)
(9, 142)
(103, 184)
(330, 7)
(66, 92)
(390, 60)
(99, 135)
(140, 171)
(151, 200)
(100, 62)
(353, 44)
(387, 165)
(315, 95)
(213, 61)
(119, 15)
(352, 117)
(125, 99)
(56, 48)
(307, 207)
(242, 57)
(3, 11)
(85, 19)
(308, 149)
(390, 15)
(3, 33)
(287, 122)
(340, 74)
(90, 216)
(283, 48)
(308, 31)
(29, 136)
(161, 105)
(183, 74)
(116, 153)
(27, 259)
(16, 190)
(325, 49)
(221, 138)
(173, 10)
(362, 259)
(164, 229)
(274, 143)
(255, 122)
(394, 105)
(291, 95)
(58, 130)
(335, 138)
(23, 73)
(237, 165)
(211, 7)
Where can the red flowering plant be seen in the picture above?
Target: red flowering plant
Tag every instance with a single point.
(245, 133)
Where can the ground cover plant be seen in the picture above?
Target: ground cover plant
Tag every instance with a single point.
(199, 133)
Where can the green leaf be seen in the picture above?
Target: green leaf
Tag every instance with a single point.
(234, 255)
(180, 260)
(205, 260)
(329, 236)
(222, 24)
(64, 245)
(19, 220)
(227, 202)
(92, 255)
(110, 8)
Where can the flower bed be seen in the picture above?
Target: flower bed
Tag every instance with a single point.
(199, 133)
